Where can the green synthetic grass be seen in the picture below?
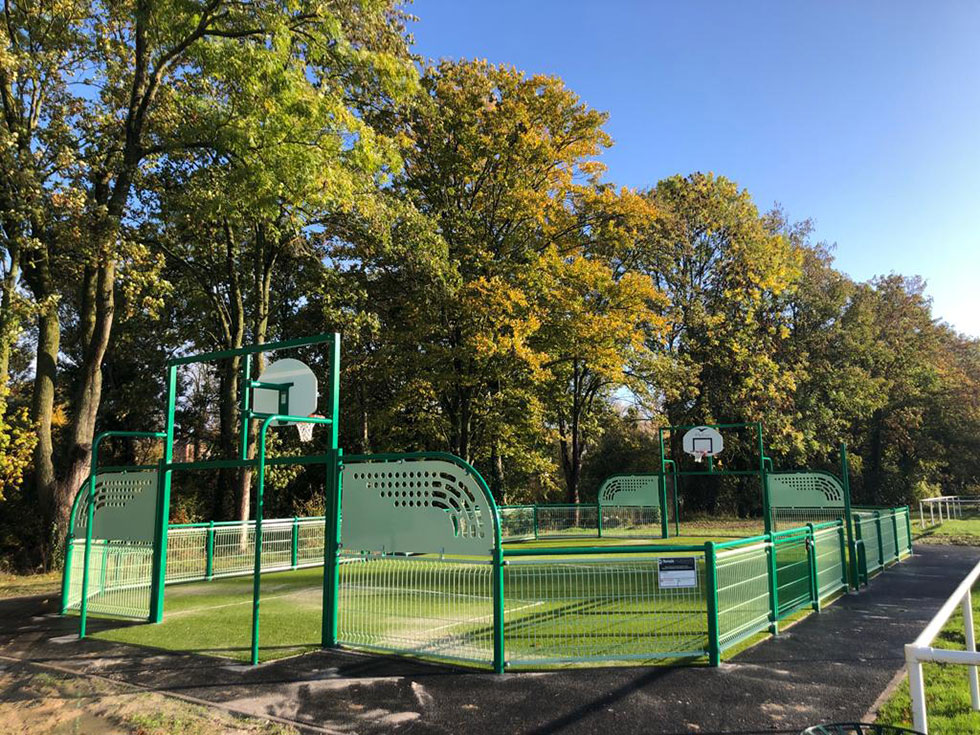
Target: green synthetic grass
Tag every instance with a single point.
(947, 688)
(215, 618)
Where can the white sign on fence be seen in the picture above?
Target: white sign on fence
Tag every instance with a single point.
(678, 572)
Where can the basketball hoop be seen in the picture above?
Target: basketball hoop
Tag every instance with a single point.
(703, 441)
(305, 431)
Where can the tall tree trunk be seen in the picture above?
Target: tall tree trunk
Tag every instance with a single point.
(42, 402)
(365, 426)
(37, 274)
(265, 262)
(225, 500)
(97, 318)
(496, 473)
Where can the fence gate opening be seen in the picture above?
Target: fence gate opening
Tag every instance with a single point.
(123, 519)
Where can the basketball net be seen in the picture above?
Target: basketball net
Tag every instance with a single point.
(699, 456)
(305, 430)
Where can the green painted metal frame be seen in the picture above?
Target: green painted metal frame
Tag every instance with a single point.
(331, 458)
(760, 472)
(89, 491)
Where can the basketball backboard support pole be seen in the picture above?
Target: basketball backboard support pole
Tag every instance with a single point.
(330, 457)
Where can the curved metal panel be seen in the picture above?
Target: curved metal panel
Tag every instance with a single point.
(125, 507)
(805, 490)
(415, 505)
(630, 490)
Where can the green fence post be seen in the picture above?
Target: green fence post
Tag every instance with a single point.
(811, 554)
(164, 480)
(209, 554)
(860, 555)
(898, 552)
(295, 543)
(908, 526)
(334, 492)
(535, 506)
(66, 574)
(331, 550)
(499, 661)
(87, 558)
(711, 597)
(842, 536)
(598, 507)
(881, 543)
(773, 586)
(852, 564)
(257, 569)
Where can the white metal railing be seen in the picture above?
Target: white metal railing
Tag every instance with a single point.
(921, 650)
(945, 507)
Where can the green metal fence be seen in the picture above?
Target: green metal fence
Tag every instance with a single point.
(594, 609)
(883, 537)
(564, 605)
(120, 572)
(424, 606)
(584, 520)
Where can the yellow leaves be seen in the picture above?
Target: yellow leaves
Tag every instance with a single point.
(17, 442)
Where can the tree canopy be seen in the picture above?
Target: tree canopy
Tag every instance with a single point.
(183, 176)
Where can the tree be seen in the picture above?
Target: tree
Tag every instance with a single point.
(496, 159)
(724, 271)
(96, 95)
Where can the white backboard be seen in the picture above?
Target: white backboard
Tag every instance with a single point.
(703, 440)
(302, 396)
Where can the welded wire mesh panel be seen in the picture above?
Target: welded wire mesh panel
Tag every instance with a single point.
(867, 530)
(234, 547)
(609, 609)
(568, 520)
(787, 518)
(903, 531)
(631, 520)
(743, 593)
(888, 540)
(792, 572)
(309, 542)
(418, 605)
(75, 574)
(830, 561)
(119, 577)
(516, 522)
(187, 554)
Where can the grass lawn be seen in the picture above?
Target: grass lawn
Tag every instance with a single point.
(958, 532)
(23, 585)
(947, 688)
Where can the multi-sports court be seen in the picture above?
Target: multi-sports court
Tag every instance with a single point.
(414, 557)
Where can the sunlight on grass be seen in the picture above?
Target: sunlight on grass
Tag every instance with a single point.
(947, 688)
(25, 585)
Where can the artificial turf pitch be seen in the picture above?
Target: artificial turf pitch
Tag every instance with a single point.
(565, 609)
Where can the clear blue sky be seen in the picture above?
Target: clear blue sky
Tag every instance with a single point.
(864, 116)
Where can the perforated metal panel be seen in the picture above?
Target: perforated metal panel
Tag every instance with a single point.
(125, 507)
(630, 490)
(427, 506)
(805, 490)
